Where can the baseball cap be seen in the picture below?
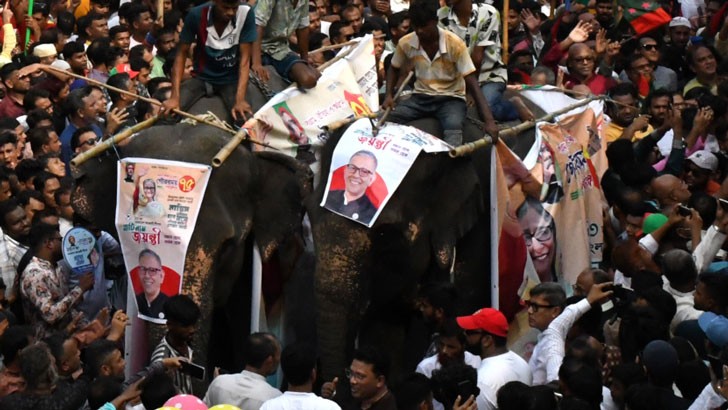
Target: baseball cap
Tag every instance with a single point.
(680, 22)
(653, 222)
(488, 319)
(124, 68)
(45, 50)
(704, 159)
(715, 328)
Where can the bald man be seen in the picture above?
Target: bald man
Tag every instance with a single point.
(669, 190)
(582, 63)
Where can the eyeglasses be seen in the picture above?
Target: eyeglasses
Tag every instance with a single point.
(542, 235)
(90, 142)
(356, 376)
(150, 188)
(149, 271)
(584, 59)
(649, 47)
(362, 171)
(535, 306)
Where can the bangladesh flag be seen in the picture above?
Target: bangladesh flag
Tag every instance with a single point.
(644, 15)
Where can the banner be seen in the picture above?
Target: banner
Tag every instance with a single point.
(157, 206)
(366, 170)
(292, 120)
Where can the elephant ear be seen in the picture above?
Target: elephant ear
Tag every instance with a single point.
(283, 184)
(458, 209)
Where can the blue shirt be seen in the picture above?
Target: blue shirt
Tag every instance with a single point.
(216, 58)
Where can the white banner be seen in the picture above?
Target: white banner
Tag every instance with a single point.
(156, 210)
(367, 169)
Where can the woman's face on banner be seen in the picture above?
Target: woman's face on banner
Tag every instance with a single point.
(540, 241)
(150, 190)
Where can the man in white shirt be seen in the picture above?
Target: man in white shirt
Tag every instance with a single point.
(248, 389)
(546, 313)
(680, 273)
(499, 365)
(298, 362)
(451, 345)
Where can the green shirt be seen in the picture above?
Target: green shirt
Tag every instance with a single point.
(157, 64)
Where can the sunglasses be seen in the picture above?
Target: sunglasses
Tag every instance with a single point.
(649, 47)
(90, 142)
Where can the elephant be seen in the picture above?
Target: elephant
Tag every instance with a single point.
(435, 227)
(253, 195)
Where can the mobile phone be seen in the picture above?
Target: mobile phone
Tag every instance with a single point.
(723, 203)
(684, 210)
(192, 369)
(717, 366)
(466, 389)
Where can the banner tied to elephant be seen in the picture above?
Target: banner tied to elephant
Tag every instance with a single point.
(292, 120)
(366, 170)
(156, 212)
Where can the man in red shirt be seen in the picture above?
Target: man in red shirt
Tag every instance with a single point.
(16, 85)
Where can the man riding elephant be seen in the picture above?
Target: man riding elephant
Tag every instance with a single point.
(223, 32)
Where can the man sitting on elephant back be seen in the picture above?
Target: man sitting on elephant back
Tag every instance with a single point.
(223, 31)
(444, 71)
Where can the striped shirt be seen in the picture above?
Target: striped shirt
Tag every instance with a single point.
(164, 350)
(444, 75)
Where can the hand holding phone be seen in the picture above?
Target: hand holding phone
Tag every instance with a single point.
(192, 369)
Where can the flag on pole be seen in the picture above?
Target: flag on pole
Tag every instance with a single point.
(644, 15)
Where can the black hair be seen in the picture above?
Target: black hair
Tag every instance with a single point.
(113, 54)
(135, 12)
(27, 169)
(98, 50)
(40, 180)
(96, 354)
(7, 71)
(161, 94)
(583, 381)
(35, 116)
(706, 205)
(73, 47)
(396, 19)
(640, 326)
(76, 137)
(716, 286)
(103, 390)
(8, 123)
(26, 195)
(411, 391)
(447, 380)
(65, 22)
(32, 95)
(375, 357)
(441, 295)
(156, 390)
(181, 309)
(7, 206)
(137, 52)
(579, 348)
(171, 20)
(74, 101)
(55, 342)
(623, 89)
(335, 28)
(65, 189)
(574, 403)
(513, 395)
(690, 55)
(137, 64)
(659, 299)
(38, 137)
(659, 93)
(153, 84)
(422, 12)
(49, 36)
(36, 366)
(692, 377)
(629, 374)
(451, 329)
(121, 28)
(8, 137)
(551, 291)
(590, 323)
(15, 339)
(260, 346)
(39, 216)
(297, 363)
(120, 80)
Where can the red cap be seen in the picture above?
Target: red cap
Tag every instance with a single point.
(124, 68)
(487, 319)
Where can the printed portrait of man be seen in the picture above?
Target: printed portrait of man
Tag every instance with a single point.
(151, 276)
(129, 172)
(352, 201)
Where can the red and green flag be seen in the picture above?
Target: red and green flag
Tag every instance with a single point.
(644, 15)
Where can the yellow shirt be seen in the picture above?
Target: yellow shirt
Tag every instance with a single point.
(614, 131)
(445, 73)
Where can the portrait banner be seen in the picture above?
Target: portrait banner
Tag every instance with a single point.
(292, 121)
(366, 170)
(156, 210)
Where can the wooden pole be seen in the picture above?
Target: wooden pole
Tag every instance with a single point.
(110, 142)
(228, 149)
(506, 7)
(394, 99)
(334, 47)
(470, 147)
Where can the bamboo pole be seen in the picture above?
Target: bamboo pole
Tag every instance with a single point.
(110, 142)
(394, 99)
(334, 47)
(228, 149)
(470, 147)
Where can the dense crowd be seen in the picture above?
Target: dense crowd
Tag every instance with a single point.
(649, 330)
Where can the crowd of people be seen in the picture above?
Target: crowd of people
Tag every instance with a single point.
(649, 330)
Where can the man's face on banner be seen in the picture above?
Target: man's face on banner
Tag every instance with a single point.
(151, 274)
(359, 175)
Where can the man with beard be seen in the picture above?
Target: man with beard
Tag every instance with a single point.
(605, 17)
(499, 365)
(699, 169)
(436, 302)
(625, 123)
(662, 77)
(13, 242)
(182, 314)
(450, 349)
(674, 54)
(166, 41)
(47, 301)
(367, 376)
(17, 83)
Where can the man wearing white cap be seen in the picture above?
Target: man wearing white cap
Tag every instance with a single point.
(499, 365)
(46, 52)
(674, 54)
(698, 172)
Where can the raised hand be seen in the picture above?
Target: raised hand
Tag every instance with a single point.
(580, 33)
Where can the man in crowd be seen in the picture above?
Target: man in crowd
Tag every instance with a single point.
(14, 241)
(367, 376)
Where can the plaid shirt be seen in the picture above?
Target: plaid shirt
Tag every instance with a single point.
(47, 301)
(483, 30)
(10, 253)
(281, 18)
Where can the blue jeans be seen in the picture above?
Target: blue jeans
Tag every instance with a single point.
(450, 111)
(503, 110)
(282, 67)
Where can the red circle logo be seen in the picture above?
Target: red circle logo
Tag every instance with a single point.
(186, 183)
